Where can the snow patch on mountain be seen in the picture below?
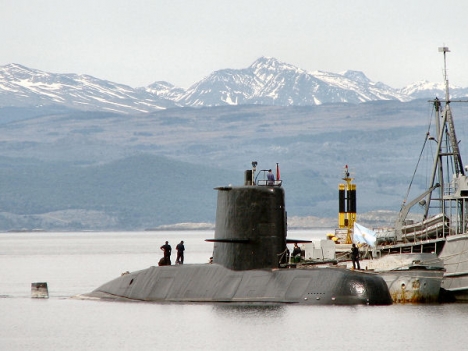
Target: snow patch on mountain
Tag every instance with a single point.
(267, 81)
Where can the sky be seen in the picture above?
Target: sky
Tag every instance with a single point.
(138, 42)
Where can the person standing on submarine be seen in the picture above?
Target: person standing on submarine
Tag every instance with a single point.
(180, 253)
(167, 253)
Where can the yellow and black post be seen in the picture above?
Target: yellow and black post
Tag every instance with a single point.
(347, 205)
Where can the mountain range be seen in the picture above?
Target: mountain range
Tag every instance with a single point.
(79, 153)
(267, 81)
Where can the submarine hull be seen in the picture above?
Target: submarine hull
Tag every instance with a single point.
(249, 264)
(215, 283)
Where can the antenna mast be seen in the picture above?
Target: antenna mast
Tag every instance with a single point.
(445, 49)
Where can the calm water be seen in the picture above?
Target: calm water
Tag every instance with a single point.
(74, 263)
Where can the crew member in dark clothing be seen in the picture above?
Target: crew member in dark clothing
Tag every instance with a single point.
(167, 253)
(296, 251)
(296, 254)
(180, 253)
(355, 256)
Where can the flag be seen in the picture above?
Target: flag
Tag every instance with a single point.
(277, 172)
(363, 235)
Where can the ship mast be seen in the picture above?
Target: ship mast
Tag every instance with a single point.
(447, 146)
(445, 49)
(449, 120)
(445, 132)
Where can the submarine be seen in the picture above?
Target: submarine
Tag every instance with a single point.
(250, 262)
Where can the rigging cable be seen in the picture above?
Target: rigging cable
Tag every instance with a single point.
(417, 164)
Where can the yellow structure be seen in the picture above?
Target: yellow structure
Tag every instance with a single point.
(347, 205)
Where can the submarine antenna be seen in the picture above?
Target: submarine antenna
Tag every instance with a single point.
(254, 168)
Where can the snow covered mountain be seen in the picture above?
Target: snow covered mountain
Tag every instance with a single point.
(267, 81)
(21, 86)
(424, 89)
(271, 82)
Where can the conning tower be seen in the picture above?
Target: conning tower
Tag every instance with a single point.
(251, 225)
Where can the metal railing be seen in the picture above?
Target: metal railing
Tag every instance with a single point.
(266, 182)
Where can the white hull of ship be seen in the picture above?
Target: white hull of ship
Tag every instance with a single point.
(413, 286)
(411, 278)
(455, 257)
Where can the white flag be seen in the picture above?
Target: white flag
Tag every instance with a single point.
(363, 235)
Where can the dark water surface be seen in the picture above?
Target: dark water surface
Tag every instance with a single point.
(75, 263)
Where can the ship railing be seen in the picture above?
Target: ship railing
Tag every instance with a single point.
(450, 188)
(266, 182)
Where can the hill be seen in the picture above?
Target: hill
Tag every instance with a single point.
(67, 169)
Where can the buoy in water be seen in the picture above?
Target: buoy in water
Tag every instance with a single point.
(39, 290)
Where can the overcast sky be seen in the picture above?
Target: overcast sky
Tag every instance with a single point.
(138, 42)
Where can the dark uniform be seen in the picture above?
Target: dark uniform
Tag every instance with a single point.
(167, 253)
(180, 252)
(296, 251)
(355, 257)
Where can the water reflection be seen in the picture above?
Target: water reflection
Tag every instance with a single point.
(249, 310)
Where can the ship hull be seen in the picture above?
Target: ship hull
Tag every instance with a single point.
(451, 250)
(413, 286)
(215, 283)
(455, 257)
(411, 277)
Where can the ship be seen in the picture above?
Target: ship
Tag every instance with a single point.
(410, 277)
(439, 218)
(250, 262)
